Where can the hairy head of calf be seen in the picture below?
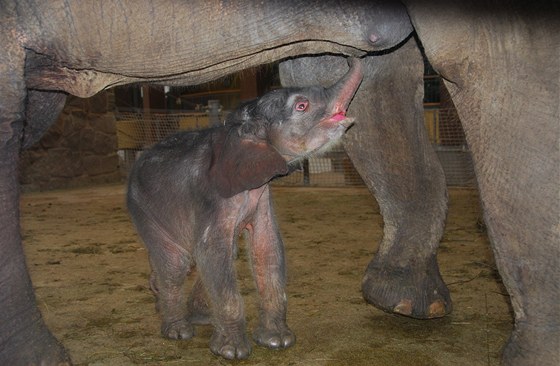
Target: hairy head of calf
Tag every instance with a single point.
(280, 128)
(298, 122)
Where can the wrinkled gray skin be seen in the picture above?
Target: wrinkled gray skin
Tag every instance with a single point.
(191, 195)
(81, 47)
(390, 149)
(502, 68)
(501, 65)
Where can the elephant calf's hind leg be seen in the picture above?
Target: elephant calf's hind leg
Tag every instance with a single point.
(170, 265)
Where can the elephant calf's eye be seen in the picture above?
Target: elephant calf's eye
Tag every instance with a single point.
(301, 106)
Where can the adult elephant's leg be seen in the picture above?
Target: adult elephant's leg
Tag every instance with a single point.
(503, 69)
(517, 164)
(390, 149)
(24, 337)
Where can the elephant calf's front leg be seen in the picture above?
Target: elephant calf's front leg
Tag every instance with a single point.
(267, 252)
(166, 282)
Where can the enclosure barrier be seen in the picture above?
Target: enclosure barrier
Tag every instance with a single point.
(137, 131)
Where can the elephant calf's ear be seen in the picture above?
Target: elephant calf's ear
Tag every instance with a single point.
(244, 165)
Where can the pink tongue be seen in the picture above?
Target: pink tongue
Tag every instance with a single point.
(338, 117)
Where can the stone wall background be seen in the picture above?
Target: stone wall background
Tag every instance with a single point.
(79, 149)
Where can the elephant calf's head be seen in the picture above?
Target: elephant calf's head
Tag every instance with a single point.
(281, 127)
(297, 122)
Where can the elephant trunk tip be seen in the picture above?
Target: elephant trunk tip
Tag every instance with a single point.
(344, 90)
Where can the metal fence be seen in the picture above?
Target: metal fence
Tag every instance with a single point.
(137, 131)
(449, 142)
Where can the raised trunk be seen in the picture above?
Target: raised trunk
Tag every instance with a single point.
(343, 91)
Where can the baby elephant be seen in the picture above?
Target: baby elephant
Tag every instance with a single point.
(192, 194)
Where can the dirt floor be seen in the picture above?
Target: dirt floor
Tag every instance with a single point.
(91, 278)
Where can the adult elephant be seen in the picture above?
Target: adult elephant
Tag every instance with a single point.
(52, 49)
(501, 64)
(57, 47)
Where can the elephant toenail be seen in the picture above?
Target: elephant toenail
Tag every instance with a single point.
(437, 309)
(404, 307)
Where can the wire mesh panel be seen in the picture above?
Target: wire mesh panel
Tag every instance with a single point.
(137, 131)
(330, 169)
(449, 142)
(140, 130)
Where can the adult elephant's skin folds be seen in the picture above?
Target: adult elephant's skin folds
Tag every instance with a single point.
(161, 40)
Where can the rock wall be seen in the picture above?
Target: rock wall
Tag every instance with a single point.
(79, 149)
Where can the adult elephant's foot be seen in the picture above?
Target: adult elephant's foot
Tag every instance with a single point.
(39, 347)
(417, 291)
(533, 345)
